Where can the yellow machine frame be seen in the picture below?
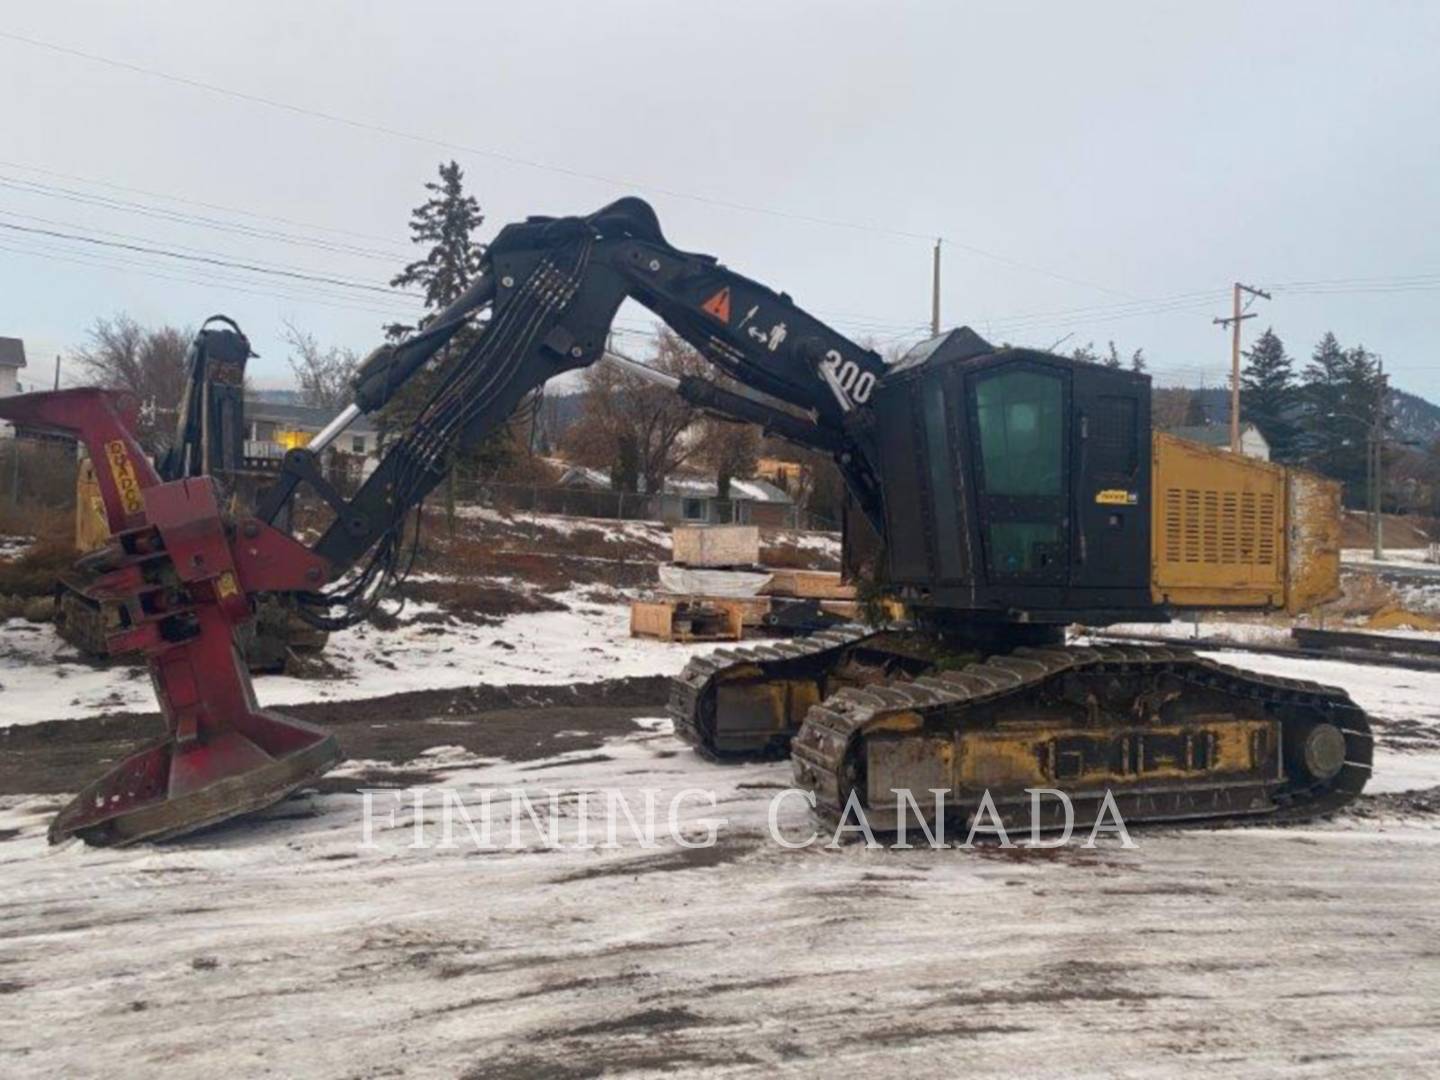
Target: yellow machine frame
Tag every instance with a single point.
(1236, 532)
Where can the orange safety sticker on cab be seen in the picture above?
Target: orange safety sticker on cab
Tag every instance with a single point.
(131, 497)
(718, 305)
(227, 586)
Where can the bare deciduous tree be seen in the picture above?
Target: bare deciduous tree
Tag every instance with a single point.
(633, 428)
(148, 364)
(324, 375)
(730, 451)
(1171, 407)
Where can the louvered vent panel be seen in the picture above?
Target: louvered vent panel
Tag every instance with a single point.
(1229, 528)
(1172, 525)
(1220, 528)
(1192, 525)
(1265, 540)
(1210, 526)
(1247, 528)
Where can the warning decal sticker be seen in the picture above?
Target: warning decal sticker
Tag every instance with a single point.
(718, 305)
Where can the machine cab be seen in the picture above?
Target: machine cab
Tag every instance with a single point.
(1016, 480)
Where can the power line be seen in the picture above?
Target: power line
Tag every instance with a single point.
(230, 284)
(169, 254)
(1050, 318)
(1386, 279)
(190, 249)
(106, 202)
(144, 246)
(517, 160)
(194, 202)
(861, 323)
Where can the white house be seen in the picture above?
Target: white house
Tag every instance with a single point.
(1252, 443)
(697, 499)
(12, 359)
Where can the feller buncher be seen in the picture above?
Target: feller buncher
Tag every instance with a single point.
(209, 441)
(1015, 493)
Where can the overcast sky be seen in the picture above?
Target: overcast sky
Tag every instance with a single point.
(1097, 170)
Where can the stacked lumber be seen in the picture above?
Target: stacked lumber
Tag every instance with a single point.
(809, 585)
(715, 547)
(717, 588)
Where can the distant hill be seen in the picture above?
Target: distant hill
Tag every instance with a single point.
(1415, 419)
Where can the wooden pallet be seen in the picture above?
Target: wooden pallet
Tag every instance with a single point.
(809, 585)
(688, 619)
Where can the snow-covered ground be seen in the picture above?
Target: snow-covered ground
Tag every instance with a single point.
(822, 543)
(649, 532)
(12, 546)
(591, 641)
(42, 678)
(1365, 557)
(289, 947)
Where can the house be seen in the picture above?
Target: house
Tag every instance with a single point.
(273, 427)
(697, 499)
(12, 359)
(1252, 443)
(786, 475)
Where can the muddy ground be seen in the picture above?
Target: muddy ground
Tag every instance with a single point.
(518, 723)
(292, 947)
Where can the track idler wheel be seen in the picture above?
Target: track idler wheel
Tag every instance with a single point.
(1318, 753)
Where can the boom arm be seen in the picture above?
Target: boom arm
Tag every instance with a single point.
(553, 287)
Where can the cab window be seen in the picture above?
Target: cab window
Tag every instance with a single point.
(1021, 430)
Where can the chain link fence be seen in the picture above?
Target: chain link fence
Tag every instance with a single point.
(41, 473)
(36, 472)
(670, 508)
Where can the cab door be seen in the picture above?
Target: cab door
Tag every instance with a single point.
(1022, 444)
(1110, 544)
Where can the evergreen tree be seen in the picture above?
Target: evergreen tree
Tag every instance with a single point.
(1362, 391)
(446, 222)
(444, 225)
(1110, 358)
(1268, 394)
(1196, 415)
(1336, 423)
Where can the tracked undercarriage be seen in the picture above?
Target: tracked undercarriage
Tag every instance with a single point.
(1173, 736)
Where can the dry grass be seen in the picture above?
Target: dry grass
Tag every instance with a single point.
(1363, 594)
(43, 523)
(1401, 531)
(33, 573)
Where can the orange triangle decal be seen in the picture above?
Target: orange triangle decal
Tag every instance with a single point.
(718, 305)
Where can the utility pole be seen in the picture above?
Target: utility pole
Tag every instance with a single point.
(1377, 471)
(1237, 316)
(57, 371)
(935, 293)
